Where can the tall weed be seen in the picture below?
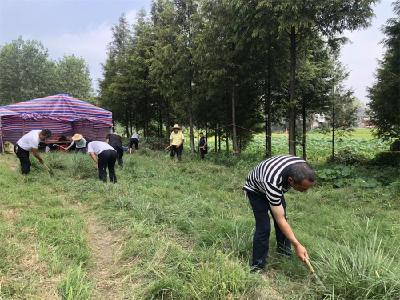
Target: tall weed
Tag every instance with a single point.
(360, 270)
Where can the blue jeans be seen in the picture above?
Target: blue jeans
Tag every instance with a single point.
(260, 205)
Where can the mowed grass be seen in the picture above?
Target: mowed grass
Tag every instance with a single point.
(187, 231)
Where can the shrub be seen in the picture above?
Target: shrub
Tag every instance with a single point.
(387, 158)
(395, 146)
(348, 157)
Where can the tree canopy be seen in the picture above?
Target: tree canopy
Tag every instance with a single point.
(26, 72)
(385, 93)
(230, 67)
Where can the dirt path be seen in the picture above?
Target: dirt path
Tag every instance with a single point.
(105, 248)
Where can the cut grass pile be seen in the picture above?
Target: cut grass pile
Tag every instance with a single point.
(187, 231)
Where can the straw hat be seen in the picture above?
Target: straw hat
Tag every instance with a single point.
(77, 137)
(176, 126)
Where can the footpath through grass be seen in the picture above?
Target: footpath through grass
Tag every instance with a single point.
(184, 231)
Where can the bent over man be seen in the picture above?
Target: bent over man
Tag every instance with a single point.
(30, 143)
(265, 187)
(104, 156)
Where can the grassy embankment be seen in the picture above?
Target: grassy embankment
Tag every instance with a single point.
(183, 231)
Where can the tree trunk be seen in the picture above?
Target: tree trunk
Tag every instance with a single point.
(168, 121)
(292, 87)
(304, 136)
(160, 119)
(219, 138)
(227, 144)
(127, 129)
(333, 123)
(234, 133)
(267, 111)
(191, 131)
(216, 139)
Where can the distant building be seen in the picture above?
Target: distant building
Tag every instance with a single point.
(319, 121)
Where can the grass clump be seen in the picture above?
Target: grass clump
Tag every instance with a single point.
(75, 285)
(360, 270)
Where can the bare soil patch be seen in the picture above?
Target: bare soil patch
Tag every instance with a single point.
(105, 247)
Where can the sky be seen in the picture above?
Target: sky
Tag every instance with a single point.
(83, 28)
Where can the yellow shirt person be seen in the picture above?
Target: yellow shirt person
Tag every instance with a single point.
(176, 140)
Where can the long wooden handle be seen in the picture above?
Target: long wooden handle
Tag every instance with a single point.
(310, 267)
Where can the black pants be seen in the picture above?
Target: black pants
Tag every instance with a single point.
(120, 153)
(106, 159)
(261, 206)
(176, 151)
(134, 142)
(23, 156)
(203, 152)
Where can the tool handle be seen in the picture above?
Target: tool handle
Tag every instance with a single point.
(310, 267)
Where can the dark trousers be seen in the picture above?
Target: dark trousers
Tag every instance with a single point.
(176, 151)
(106, 159)
(120, 153)
(23, 157)
(134, 142)
(260, 205)
(203, 152)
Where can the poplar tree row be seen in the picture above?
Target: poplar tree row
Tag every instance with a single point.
(231, 67)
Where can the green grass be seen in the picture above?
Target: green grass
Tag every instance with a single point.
(187, 229)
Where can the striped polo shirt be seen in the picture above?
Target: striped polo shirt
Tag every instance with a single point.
(268, 177)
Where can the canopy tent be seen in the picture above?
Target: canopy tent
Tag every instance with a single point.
(62, 114)
(4, 112)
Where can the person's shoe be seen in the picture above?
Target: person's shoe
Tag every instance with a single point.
(256, 269)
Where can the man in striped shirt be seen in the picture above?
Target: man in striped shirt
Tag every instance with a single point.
(265, 186)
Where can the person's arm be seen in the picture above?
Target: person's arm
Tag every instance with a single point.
(94, 158)
(35, 153)
(279, 215)
(66, 149)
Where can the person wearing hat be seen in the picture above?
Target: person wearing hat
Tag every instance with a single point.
(30, 143)
(79, 142)
(176, 140)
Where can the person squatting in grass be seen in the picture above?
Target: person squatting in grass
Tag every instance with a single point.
(265, 187)
(134, 141)
(176, 140)
(30, 143)
(79, 142)
(202, 145)
(115, 141)
(105, 157)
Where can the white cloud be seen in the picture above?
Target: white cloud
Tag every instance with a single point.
(91, 44)
(361, 55)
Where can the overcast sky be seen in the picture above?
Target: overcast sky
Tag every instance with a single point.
(82, 27)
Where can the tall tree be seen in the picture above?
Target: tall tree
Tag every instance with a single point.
(115, 93)
(25, 71)
(299, 19)
(73, 77)
(385, 93)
